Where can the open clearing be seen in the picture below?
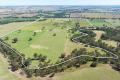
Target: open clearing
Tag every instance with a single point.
(98, 34)
(101, 72)
(109, 42)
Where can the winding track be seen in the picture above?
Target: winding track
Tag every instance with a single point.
(84, 34)
(74, 39)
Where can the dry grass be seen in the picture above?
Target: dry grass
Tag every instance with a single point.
(70, 46)
(7, 28)
(98, 34)
(102, 72)
(111, 43)
(95, 15)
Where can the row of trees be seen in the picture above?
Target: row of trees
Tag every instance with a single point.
(11, 19)
(15, 60)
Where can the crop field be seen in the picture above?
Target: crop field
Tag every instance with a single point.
(102, 72)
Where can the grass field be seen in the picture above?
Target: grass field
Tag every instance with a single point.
(84, 23)
(52, 46)
(44, 42)
(5, 74)
(115, 22)
(109, 42)
(70, 46)
(101, 72)
(7, 28)
(99, 22)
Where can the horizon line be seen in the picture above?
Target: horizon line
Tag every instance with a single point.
(64, 5)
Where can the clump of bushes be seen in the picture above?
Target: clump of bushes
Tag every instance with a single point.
(6, 38)
(14, 40)
(30, 39)
(54, 34)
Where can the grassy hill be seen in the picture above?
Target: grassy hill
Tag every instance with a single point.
(101, 72)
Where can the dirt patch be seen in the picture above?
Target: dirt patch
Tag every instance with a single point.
(56, 30)
(98, 34)
(37, 30)
(38, 47)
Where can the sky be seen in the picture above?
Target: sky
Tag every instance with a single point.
(59, 2)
